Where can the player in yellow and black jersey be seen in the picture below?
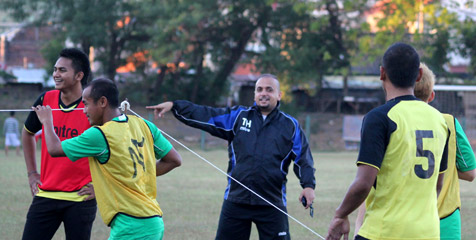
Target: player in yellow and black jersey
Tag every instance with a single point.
(402, 156)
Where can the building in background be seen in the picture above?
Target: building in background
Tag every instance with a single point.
(20, 54)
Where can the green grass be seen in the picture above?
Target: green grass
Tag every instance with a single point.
(191, 197)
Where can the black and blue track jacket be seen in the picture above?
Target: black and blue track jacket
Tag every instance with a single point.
(260, 151)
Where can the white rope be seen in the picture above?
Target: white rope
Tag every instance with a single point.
(127, 107)
(124, 107)
(29, 110)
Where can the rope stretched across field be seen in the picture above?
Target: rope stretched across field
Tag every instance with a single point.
(29, 110)
(126, 107)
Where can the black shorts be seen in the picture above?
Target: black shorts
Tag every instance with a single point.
(358, 237)
(235, 222)
(45, 216)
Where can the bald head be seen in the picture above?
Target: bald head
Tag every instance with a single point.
(269, 76)
(267, 93)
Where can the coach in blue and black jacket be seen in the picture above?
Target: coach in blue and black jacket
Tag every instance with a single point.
(263, 141)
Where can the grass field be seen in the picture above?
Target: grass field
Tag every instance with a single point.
(191, 197)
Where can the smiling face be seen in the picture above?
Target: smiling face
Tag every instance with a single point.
(92, 109)
(267, 94)
(64, 74)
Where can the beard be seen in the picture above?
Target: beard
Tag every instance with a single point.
(266, 103)
(263, 102)
(265, 107)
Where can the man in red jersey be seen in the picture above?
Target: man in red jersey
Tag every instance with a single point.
(62, 191)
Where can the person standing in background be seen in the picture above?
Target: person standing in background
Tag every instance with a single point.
(12, 135)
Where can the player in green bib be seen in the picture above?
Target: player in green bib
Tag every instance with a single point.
(402, 158)
(122, 151)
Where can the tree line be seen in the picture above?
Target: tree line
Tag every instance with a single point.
(188, 49)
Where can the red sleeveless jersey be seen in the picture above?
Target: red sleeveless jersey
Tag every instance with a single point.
(60, 173)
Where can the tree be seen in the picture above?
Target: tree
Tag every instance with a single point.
(314, 39)
(468, 47)
(436, 39)
(111, 27)
(216, 33)
(179, 45)
(424, 24)
(50, 52)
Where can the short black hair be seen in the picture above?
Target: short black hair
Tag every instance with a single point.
(80, 62)
(401, 63)
(12, 113)
(104, 87)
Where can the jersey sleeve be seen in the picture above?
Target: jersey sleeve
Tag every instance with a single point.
(465, 159)
(374, 139)
(161, 145)
(219, 122)
(91, 143)
(303, 164)
(32, 123)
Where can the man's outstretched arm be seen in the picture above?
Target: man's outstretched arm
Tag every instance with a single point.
(161, 108)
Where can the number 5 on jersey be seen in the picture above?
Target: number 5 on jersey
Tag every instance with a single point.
(419, 171)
